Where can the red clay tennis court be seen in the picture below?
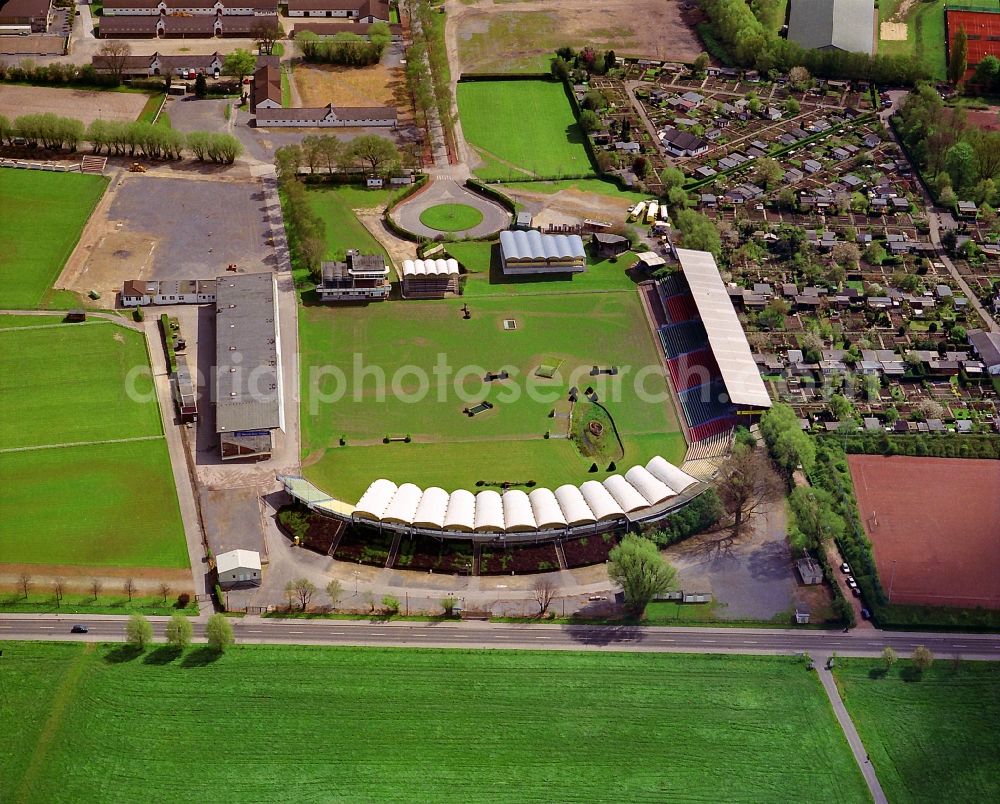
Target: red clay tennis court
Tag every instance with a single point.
(935, 527)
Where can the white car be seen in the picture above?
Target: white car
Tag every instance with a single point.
(851, 582)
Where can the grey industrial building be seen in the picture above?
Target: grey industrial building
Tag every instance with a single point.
(833, 25)
(532, 252)
(248, 399)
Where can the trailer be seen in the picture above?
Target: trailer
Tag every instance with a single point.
(651, 212)
(637, 211)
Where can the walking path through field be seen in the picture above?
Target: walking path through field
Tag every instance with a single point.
(851, 733)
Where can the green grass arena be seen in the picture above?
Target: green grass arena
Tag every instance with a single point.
(404, 341)
(42, 215)
(521, 129)
(451, 217)
(930, 737)
(87, 476)
(347, 724)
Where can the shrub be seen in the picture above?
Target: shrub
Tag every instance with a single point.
(391, 604)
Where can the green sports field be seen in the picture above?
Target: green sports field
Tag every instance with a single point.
(41, 217)
(351, 724)
(87, 476)
(404, 341)
(522, 129)
(930, 738)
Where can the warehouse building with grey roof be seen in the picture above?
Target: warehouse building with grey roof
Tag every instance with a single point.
(833, 25)
(532, 252)
(248, 399)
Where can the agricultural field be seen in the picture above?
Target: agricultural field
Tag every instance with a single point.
(576, 726)
(79, 455)
(404, 340)
(43, 215)
(522, 129)
(521, 36)
(930, 738)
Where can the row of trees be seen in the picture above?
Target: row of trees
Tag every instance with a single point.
(218, 632)
(25, 583)
(306, 231)
(753, 44)
(427, 68)
(347, 49)
(370, 152)
(139, 138)
(956, 158)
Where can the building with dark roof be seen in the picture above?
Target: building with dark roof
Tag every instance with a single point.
(248, 398)
(833, 25)
(354, 10)
(266, 92)
(159, 64)
(329, 116)
(361, 277)
(987, 346)
(31, 13)
(683, 143)
(116, 8)
(196, 26)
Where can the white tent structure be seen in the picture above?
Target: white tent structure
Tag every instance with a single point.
(642, 492)
(429, 279)
(532, 252)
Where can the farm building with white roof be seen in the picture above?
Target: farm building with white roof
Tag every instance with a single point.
(532, 252)
(429, 279)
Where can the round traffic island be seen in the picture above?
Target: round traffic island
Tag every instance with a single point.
(451, 217)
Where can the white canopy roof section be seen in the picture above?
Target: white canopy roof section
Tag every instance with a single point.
(461, 513)
(518, 512)
(666, 472)
(489, 512)
(546, 509)
(655, 491)
(432, 508)
(374, 501)
(448, 267)
(725, 333)
(533, 245)
(573, 506)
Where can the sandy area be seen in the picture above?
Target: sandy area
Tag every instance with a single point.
(892, 32)
(81, 104)
(498, 36)
(320, 84)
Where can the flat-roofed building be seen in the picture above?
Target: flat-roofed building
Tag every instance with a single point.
(185, 391)
(532, 252)
(361, 277)
(248, 398)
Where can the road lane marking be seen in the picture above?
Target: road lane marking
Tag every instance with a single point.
(47, 627)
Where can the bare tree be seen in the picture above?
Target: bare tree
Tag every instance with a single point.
(129, 588)
(115, 54)
(24, 584)
(95, 587)
(265, 34)
(747, 483)
(59, 590)
(304, 590)
(543, 590)
(165, 591)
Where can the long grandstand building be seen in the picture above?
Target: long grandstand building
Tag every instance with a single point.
(712, 370)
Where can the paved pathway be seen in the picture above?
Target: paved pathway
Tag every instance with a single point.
(851, 733)
(445, 190)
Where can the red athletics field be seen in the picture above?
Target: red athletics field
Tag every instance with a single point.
(938, 520)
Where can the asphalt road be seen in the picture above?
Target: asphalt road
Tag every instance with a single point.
(526, 637)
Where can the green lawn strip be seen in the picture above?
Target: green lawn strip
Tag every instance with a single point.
(931, 737)
(336, 205)
(153, 104)
(596, 186)
(37, 682)
(526, 123)
(608, 726)
(581, 329)
(41, 217)
(286, 87)
(75, 603)
(451, 217)
(102, 505)
(68, 383)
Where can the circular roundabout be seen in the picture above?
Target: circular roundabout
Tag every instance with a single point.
(451, 217)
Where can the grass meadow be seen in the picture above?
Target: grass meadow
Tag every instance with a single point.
(930, 738)
(71, 495)
(451, 217)
(380, 724)
(522, 129)
(506, 443)
(42, 215)
(335, 205)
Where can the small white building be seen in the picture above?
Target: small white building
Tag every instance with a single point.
(141, 293)
(238, 567)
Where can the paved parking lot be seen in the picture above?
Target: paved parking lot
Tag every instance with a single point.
(196, 227)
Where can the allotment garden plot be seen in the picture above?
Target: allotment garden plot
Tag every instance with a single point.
(532, 726)
(522, 129)
(41, 217)
(87, 477)
(402, 342)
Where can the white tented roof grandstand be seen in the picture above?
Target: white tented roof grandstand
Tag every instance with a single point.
(533, 245)
(447, 267)
(725, 333)
(518, 512)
